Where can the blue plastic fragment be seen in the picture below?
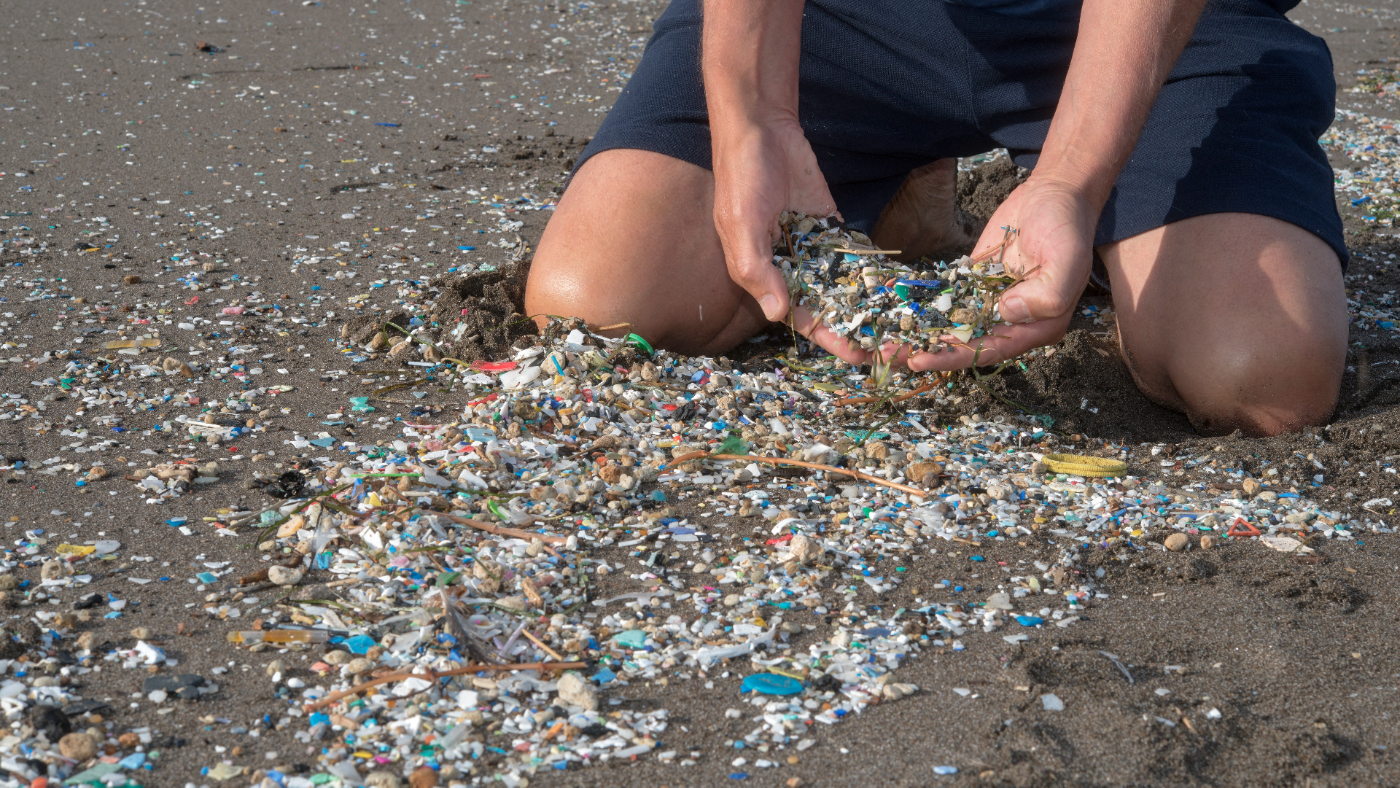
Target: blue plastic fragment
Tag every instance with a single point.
(207, 577)
(360, 644)
(945, 770)
(771, 684)
(1030, 621)
(132, 761)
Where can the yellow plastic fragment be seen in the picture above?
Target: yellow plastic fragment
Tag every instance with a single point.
(126, 343)
(75, 549)
(1079, 465)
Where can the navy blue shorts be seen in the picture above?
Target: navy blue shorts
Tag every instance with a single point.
(887, 87)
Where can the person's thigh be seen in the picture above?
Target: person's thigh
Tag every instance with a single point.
(1238, 320)
(633, 241)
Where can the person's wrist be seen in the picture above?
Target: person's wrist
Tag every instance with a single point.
(1087, 185)
(743, 119)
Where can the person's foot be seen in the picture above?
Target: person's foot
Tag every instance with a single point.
(922, 218)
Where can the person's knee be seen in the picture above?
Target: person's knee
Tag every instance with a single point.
(555, 291)
(698, 321)
(631, 246)
(1261, 391)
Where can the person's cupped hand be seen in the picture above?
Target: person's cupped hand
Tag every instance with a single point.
(1052, 249)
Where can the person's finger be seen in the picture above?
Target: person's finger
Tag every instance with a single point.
(746, 238)
(812, 196)
(1035, 300)
(1003, 343)
(807, 190)
(804, 323)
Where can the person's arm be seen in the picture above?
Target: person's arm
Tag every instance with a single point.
(763, 164)
(1125, 50)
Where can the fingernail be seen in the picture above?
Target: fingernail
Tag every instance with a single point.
(769, 304)
(1013, 310)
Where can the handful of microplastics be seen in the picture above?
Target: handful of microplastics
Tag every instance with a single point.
(861, 294)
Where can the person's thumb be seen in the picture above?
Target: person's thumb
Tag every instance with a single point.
(1037, 299)
(750, 261)
(766, 285)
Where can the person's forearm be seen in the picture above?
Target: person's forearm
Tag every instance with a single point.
(750, 51)
(1125, 50)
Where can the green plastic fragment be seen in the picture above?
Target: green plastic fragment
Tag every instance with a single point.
(865, 435)
(734, 444)
(636, 341)
(95, 774)
(632, 638)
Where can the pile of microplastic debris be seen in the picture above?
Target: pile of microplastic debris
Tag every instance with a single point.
(862, 294)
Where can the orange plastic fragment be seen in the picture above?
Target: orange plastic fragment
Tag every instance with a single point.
(1241, 527)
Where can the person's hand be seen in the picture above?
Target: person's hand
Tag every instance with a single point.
(761, 170)
(1053, 249)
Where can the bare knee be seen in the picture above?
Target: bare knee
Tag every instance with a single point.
(632, 247)
(1236, 319)
(1259, 391)
(556, 290)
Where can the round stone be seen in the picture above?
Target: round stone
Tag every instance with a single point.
(285, 576)
(337, 657)
(77, 746)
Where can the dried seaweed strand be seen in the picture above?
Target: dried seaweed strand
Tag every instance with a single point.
(501, 530)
